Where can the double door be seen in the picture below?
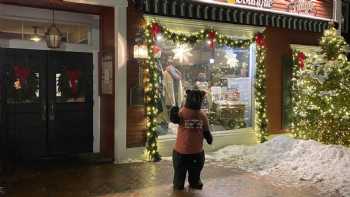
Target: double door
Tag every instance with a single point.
(47, 102)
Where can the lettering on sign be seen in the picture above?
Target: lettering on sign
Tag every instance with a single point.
(256, 3)
(305, 7)
(253, 3)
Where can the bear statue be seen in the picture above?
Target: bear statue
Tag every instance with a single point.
(188, 153)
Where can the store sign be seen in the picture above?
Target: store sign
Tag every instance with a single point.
(322, 9)
(305, 7)
(252, 3)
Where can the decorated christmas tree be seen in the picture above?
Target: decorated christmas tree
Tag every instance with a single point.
(321, 92)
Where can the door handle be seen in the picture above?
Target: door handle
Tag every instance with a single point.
(43, 112)
(52, 112)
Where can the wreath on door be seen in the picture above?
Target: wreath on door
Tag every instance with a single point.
(70, 83)
(23, 84)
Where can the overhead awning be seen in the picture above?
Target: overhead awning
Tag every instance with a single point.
(218, 13)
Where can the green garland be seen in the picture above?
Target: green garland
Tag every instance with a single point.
(152, 78)
(260, 95)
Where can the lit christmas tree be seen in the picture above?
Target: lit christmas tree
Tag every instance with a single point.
(321, 92)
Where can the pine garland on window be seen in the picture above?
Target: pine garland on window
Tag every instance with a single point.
(214, 39)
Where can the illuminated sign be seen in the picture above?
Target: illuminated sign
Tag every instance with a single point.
(305, 7)
(253, 3)
(318, 9)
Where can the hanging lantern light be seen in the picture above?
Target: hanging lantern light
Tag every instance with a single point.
(53, 34)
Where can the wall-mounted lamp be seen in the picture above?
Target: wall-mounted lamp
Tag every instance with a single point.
(137, 91)
(140, 51)
(140, 48)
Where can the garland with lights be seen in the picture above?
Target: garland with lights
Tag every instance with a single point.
(321, 92)
(260, 90)
(215, 39)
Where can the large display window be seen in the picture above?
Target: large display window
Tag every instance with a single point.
(225, 74)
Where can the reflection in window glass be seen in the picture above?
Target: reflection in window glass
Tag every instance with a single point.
(24, 30)
(58, 92)
(224, 73)
(37, 91)
(69, 90)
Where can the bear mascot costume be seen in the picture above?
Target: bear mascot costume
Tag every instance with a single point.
(188, 153)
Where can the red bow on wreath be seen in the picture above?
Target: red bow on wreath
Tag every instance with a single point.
(155, 30)
(260, 40)
(301, 60)
(73, 76)
(212, 37)
(22, 73)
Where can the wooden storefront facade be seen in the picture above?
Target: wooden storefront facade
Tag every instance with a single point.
(122, 130)
(284, 25)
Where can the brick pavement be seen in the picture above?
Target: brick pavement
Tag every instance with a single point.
(140, 180)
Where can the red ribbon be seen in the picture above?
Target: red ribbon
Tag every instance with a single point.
(260, 40)
(73, 76)
(212, 37)
(301, 60)
(22, 73)
(155, 30)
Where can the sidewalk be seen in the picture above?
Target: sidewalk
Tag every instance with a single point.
(140, 180)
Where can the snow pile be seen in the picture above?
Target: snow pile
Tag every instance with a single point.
(294, 162)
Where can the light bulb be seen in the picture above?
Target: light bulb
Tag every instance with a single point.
(35, 38)
(159, 37)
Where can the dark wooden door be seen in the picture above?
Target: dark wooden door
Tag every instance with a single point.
(2, 109)
(49, 102)
(26, 124)
(70, 126)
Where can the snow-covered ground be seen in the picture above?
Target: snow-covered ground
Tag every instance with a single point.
(292, 161)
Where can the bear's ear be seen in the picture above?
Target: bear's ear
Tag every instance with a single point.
(188, 92)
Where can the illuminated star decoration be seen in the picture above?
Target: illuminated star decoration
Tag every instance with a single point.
(231, 58)
(182, 53)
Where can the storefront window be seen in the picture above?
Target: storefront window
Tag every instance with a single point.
(226, 74)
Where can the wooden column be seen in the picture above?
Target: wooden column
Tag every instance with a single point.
(136, 120)
(278, 45)
(107, 119)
